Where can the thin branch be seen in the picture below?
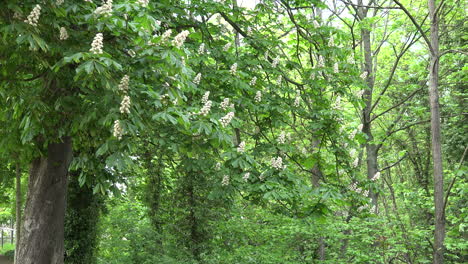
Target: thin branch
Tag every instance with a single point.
(453, 51)
(394, 164)
(396, 105)
(418, 27)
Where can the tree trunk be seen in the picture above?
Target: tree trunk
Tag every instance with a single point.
(18, 209)
(42, 238)
(371, 147)
(439, 232)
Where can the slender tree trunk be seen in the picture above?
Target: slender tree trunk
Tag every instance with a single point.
(371, 147)
(42, 236)
(439, 232)
(317, 175)
(18, 209)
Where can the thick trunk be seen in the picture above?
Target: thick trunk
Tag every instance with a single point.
(81, 220)
(439, 232)
(42, 236)
(18, 208)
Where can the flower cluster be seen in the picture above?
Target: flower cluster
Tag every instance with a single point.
(206, 108)
(297, 100)
(376, 176)
(227, 47)
(277, 163)
(364, 75)
(321, 61)
(279, 80)
(225, 120)
(218, 166)
(105, 9)
(234, 69)
(143, 3)
(225, 180)
(246, 176)
(360, 93)
(336, 69)
(118, 131)
(258, 97)
(166, 35)
(59, 2)
(241, 147)
(197, 79)
(180, 38)
(63, 33)
(123, 86)
(253, 81)
(125, 105)
(201, 49)
(33, 17)
(275, 62)
(225, 103)
(356, 162)
(97, 44)
(331, 41)
(281, 138)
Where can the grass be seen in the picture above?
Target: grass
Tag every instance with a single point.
(8, 250)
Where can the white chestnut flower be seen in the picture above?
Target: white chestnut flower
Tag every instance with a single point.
(373, 210)
(118, 131)
(258, 97)
(281, 138)
(336, 69)
(166, 35)
(201, 49)
(225, 180)
(143, 3)
(125, 105)
(241, 147)
(279, 80)
(205, 97)
(234, 69)
(225, 120)
(321, 61)
(124, 82)
(218, 166)
(376, 176)
(352, 152)
(180, 38)
(59, 2)
(366, 193)
(356, 162)
(63, 33)
(363, 75)
(331, 42)
(225, 104)
(277, 163)
(297, 100)
(275, 62)
(105, 9)
(97, 44)
(197, 79)
(227, 46)
(206, 108)
(253, 81)
(360, 93)
(246, 176)
(33, 17)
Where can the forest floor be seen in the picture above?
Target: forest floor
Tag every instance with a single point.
(5, 260)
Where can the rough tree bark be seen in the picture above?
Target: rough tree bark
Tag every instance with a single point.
(439, 232)
(42, 236)
(18, 208)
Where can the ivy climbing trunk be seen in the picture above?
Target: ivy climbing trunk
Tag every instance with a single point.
(42, 236)
(439, 232)
(81, 221)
